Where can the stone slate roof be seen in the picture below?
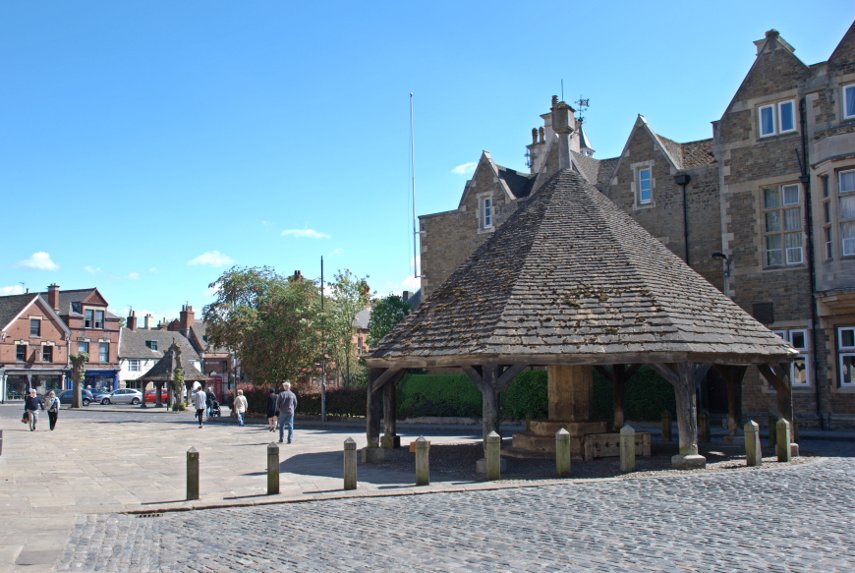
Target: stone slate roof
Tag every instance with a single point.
(587, 166)
(520, 184)
(697, 153)
(199, 338)
(11, 305)
(132, 344)
(164, 369)
(570, 278)
(607, 170)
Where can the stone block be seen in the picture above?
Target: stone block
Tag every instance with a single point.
(688, 462)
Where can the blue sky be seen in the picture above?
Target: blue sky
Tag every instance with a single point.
(145, 147)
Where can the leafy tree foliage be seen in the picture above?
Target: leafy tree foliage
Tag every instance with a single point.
(269, 321)
(349, 295)
(387, 312)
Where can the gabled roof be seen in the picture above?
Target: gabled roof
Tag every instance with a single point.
(199, 338)
(12, 306)
(519, 183)
(515, 184)
(132, 344)
(570, 278)
(845, 49)
(71, 301)
(164, 369)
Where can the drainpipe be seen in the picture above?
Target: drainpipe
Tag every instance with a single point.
(808, 222)
(682, 180)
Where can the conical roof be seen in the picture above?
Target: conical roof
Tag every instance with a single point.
(164, 369)
(570, 278)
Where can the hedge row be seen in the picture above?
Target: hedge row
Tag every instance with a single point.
(450, 395)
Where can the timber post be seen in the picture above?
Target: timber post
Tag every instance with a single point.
(627, 448)
(704, 426)
(562, 453)
(272, 468)
(753, 450)
(772, 431)
(666, 426)
(782, 447)
(192, 474)
(390, 439)
(349, 464)
(493, 457)
(619, 392)
(422, 461)
(1, 442)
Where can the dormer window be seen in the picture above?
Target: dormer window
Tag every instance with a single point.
(849, 101)
(644, 186)
(485, 209)
(151, 344)
(777, 118)
(89, 318)
(99, 319)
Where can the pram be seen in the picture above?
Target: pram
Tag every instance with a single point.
(215, 410)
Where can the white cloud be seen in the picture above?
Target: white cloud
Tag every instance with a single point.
(92, 270)
(336, 252)
(134, 276)
(212, 259)
(14, 289)
(411, 283)
(465, 168)
(305, 234)
(39, 260)
(153, 270)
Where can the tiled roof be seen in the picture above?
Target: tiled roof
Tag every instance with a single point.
(11, 305)
(164, 369)
(519, 183)
(570, 278)
(697, 153)
(607, 170)
(673, 148)
(132, 344)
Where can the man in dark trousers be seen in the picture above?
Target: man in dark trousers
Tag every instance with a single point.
(209, 401)
(286, 404)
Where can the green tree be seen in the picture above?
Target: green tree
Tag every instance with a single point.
(386, 313)
(269, 321)
(349, 295)
(78, 374)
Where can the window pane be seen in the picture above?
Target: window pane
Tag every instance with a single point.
(847, 338)
(847, 369)
(799, 339)
(35, 327)
(787, 117)
(791, 194)
(847, 181)
(793, 220)
(773, 221)
(774, 251)
(772, 198)
(847, 207)
(799, 372)
(847, 238)
(849, 104)
(793, 243)
(767, 120)
(826, 211)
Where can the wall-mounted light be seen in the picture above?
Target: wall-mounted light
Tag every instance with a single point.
(727, 260)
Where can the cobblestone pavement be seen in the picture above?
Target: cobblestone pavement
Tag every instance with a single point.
(774, 518)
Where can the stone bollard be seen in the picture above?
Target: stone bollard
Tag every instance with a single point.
(422, 461)
(704, 426)
(627, 448)
(192, 474)
(771, 421)
(666, 426)
(782, 429)
(753, 451)
(493, 457)
(1, 442)
(562, 453)
(349, 464)
(272, 468)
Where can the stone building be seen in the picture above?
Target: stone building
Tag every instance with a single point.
(764, 210)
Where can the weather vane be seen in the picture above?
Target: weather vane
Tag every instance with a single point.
(582, 104)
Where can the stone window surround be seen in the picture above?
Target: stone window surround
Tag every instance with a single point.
(36, 320)
(762, 246)
(846, 90)
(777, 116)
(837, 218)
(799, 339)
(637, 168)
(483, 198)
(844, 352)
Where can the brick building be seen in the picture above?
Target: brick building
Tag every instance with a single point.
(764, 210)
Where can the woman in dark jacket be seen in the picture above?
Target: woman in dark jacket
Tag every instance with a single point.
(31, 408)
(271, 411)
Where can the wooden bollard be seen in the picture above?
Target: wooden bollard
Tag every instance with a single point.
(704, 426)
(771, 421)
(753, 451)
(782, 429)
(272, 468)
(493, 457)
(562, 453)
(422, 461)
(192, 474)
(627, 448)
(666, 426)
(349, 464)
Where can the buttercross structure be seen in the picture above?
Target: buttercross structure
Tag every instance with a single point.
(764, 210)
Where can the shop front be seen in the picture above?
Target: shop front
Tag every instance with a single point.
(15, 384)
(102, 380)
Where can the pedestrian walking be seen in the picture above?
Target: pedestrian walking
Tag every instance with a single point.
(199, 399)
(271, 410)
(286, 404)
(240, 406)
(31, 408)
(52, 409)
(209, 401)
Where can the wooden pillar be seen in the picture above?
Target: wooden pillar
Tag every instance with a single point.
(372, 409)
(778, 376)
(378, 378)
(391, 439)
(685, 379)
(619, 385)
(489, 403)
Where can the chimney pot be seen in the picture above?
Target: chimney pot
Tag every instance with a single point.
(53, 296)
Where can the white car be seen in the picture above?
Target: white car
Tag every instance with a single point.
(123, 396)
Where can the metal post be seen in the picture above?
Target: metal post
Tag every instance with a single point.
(272, 468)
(192, 474)
(323, 354)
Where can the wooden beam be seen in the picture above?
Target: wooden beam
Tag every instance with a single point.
(385, 377)
(508, 374)
(779, 376)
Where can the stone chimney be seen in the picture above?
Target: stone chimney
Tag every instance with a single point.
(132, 321)
(148, 321)
(405, 296)
(564, 125)
(297, 276)
(53, 296)
(186, 318)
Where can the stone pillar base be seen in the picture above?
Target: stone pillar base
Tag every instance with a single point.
(390, 442)
(688, 462)
(372, 455)
(481, 466)
(794, 450)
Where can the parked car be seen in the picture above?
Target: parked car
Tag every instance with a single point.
(98, 395)
(85, 395)
(123, 396)
(151, 397)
